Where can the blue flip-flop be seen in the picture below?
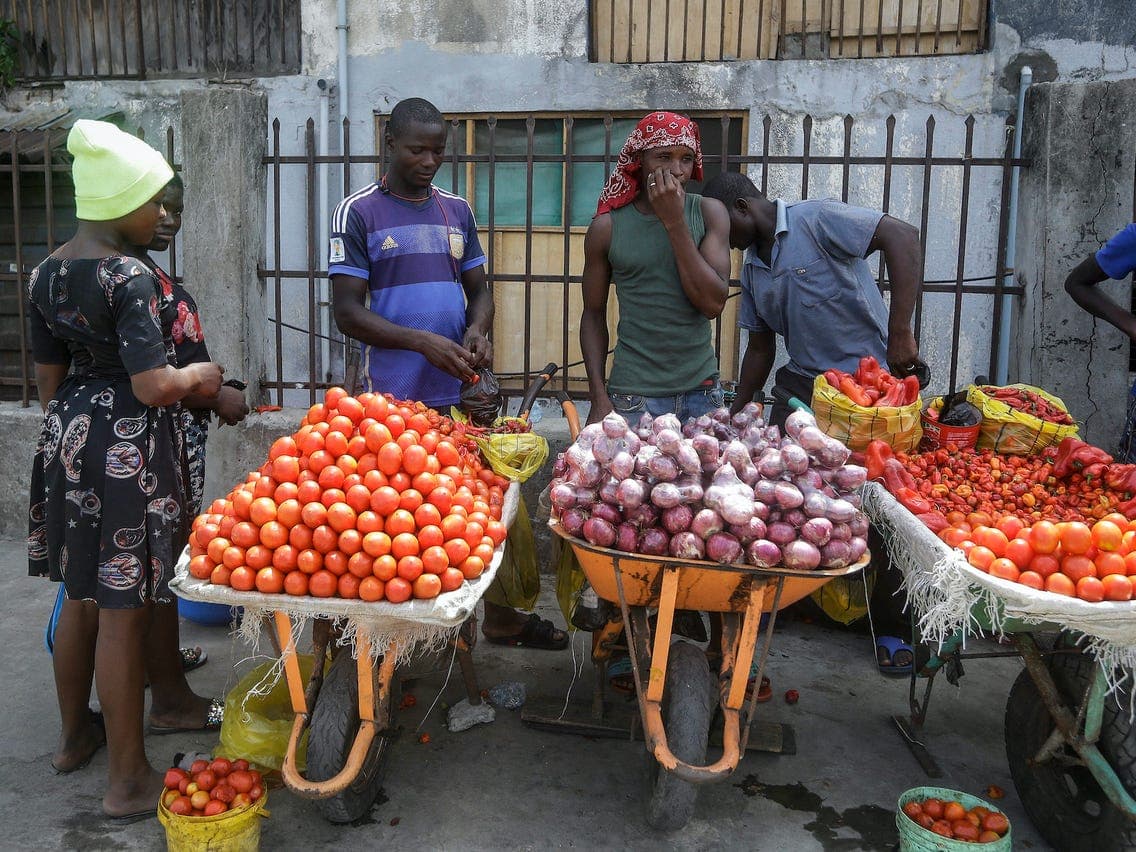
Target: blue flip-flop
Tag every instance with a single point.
(894, 656)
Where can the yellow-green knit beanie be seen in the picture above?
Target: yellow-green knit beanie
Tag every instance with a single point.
(114, 173)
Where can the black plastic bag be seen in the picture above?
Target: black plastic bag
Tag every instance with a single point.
(481, 397)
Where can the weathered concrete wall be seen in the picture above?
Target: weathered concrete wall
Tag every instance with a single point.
(223, 131)
(233, 451)
(1082, 141)
(20, 428)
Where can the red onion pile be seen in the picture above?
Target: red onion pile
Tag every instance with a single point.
(722, 488)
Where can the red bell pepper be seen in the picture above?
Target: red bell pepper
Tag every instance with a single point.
(875, 454)
(934, 521)
(1074, 455)
(896, 477)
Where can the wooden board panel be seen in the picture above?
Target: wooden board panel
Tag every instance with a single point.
(548, 305)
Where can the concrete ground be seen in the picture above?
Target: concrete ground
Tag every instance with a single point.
(506, 786)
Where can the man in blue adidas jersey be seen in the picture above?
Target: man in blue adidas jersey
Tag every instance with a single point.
(408, 272)
(408, 282)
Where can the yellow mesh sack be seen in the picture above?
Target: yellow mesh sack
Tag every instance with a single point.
(845, 599)
(1013, 432)
(857, 426)
(514, 456)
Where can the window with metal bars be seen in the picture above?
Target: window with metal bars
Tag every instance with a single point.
(636, 31)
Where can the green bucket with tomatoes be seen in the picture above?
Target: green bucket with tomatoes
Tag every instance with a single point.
(914, 838)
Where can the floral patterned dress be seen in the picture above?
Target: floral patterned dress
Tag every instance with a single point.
(107, 514)
(181, 316)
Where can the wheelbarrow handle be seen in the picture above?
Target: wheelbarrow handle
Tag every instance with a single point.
(535, 388)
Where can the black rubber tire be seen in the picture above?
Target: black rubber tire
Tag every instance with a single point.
(688, 707)
(1065, 803)
(335, 721)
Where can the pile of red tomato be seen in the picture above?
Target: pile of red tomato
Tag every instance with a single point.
(951, 819)
(372, 498)
(1094, 563)
(211, 788)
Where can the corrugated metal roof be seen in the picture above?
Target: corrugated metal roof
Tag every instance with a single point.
(29, 128)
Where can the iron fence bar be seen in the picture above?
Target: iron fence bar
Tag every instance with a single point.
(958, 25)
(173, 241)
(21, 296)
(491, 125)
(123, 43)
(276, 252)
(48, 193)
(766, 127)
(846, 164)
(685, 28)
(530, 127)
(773, 159)
(924, 221)
(566, 290)
(961, 253)
(1000, 257)
(807, 131)
(666, 47)
(886, 205)
(936, 285)
(310, 147)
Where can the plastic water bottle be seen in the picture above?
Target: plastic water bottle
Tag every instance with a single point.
(590, 613)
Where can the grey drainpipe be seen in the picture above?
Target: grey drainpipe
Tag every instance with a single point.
(1002, 362)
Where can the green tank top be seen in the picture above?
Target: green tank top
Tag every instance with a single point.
(663, 344)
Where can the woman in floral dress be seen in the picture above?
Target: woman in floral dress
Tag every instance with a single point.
(107, 513)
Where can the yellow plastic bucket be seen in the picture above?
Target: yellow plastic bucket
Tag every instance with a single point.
(232, 831)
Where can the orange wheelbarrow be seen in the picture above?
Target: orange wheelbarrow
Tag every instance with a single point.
(676, 690)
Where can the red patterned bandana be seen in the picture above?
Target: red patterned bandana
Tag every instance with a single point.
(657, 130)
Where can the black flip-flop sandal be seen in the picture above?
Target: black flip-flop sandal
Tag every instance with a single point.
(537, 633)
(213, 718)
(130, 819)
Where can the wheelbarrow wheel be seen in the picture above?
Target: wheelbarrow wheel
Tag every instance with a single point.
(688, 707)
(335, 721)
(1062, 798)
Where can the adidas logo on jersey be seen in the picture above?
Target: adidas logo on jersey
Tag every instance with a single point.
(389, 243)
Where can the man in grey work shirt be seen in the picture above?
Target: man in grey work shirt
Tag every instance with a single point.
(805, 278)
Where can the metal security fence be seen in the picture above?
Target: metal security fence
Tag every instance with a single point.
(533, 181)
(78, 39)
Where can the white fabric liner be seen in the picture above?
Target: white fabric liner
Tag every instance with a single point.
(943, 587)
(412, 627)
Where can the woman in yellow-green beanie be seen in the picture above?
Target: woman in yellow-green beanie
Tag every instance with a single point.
(107, 490)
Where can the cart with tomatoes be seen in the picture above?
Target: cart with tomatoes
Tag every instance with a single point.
(379, 524)
(1032, 548)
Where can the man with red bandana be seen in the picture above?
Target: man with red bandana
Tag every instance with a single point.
(668, 254)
